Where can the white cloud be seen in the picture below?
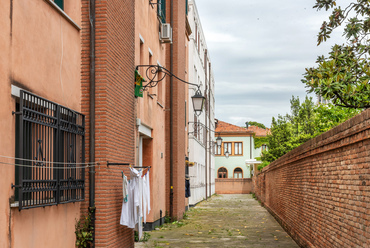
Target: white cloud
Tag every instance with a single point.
(259, 51)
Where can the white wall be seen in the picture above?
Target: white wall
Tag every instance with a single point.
(199, 73)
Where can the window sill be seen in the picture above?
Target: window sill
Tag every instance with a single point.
(56, 7)
(44, 203)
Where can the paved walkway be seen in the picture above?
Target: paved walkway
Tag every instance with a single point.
(222, 221)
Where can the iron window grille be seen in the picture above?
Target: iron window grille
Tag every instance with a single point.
(50, 142)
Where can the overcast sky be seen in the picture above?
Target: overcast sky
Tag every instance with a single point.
(259, 50)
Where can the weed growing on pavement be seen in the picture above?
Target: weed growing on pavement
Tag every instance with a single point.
(185, 216)
(145, 238)
(167, 218)
(178, 223)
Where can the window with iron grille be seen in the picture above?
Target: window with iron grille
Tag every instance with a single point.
(50, 145)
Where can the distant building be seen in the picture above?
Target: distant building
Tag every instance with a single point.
(201, 128)
(236, 158)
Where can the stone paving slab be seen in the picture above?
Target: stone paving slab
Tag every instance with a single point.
(222, 221)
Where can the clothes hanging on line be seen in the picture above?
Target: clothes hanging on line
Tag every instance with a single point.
(124, 188)
(129, 216)
(137, 205)
(146, 195)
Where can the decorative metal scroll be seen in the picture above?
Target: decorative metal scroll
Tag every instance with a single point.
(156, 73)
(39, 155)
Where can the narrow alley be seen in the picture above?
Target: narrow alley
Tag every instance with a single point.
(222, 221)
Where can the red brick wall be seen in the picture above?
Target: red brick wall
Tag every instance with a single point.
(114, 112)
(177, 110)
(233, 186)
(320, 192)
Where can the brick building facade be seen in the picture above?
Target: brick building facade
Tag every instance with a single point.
(114, 122)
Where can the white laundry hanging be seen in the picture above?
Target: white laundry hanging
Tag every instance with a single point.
(137, 205)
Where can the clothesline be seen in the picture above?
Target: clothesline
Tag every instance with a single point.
(41, 161)
(57, 168)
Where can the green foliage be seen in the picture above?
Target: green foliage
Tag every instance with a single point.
(262, 165)
(305, 122)
(167, 218)
(84, 231)
(257, 124)
(343, 76)
(145, 238)
(329, 116)
(259, 141)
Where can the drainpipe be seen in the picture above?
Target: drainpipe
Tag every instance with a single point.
(250, 144)
(92, 118)
(171, 119)
(205, 121)
(210, 137)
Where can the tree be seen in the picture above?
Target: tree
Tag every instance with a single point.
(343, 76)
(278, 139)
(305, 122)
(257, 124)
(329, 116)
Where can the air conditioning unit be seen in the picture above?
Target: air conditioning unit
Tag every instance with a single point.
(166, 33)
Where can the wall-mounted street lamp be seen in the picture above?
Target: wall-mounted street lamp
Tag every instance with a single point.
(218, 139)
(227, 154)
(198, 102)
(156, 73)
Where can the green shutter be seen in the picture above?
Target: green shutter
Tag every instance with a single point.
(162, 10)
(187, 7)
(60, 3)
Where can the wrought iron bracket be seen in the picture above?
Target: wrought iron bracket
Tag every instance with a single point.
(16, 113)
(116, 163)
(201, 125)
(153, 74)
(15, 186)
(151, 2)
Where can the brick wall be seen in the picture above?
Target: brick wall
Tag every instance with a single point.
(177, 110)
(320, 192)
(233, 186)
(114, 112)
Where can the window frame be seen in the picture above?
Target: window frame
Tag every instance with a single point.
(225, 173)
(240, 148)
(230, 145)
(238, 172)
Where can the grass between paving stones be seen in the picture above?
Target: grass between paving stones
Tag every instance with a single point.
(220, 223)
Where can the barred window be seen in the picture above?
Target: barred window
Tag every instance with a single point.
(50, 142)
